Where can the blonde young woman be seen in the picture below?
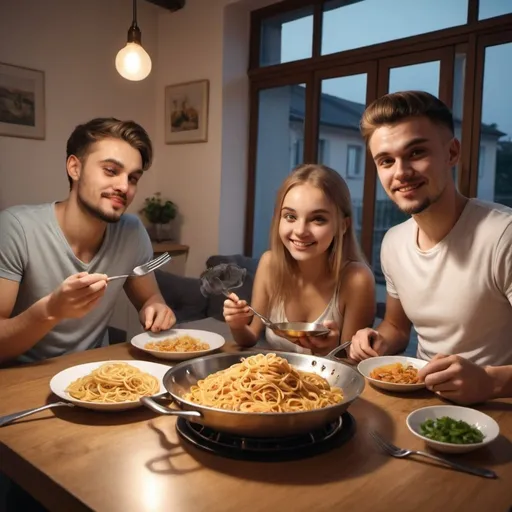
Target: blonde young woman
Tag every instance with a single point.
(314, 270)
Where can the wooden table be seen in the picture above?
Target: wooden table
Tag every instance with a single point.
(76, 459)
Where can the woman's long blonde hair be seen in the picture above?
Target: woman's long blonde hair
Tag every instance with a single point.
(344, 247)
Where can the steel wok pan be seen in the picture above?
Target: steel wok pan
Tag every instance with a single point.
(181, 377)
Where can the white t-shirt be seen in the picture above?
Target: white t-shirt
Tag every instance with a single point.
(458, 295)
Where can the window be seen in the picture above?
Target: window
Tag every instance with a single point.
(481, 162)
(493, 8)
(279, 41)
(297, 152)
(341, 55)
(354, 159)
(495, 158)
(385, 20)
(297, 156)
(323, 151)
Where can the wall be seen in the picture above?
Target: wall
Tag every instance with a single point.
(75, 43)
(207, 39)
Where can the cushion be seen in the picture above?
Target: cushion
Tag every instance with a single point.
(182, 295)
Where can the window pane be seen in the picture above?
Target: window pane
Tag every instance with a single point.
(495, 158)
(287, 37)
(280, 148)
(340, 144)
(492, 8)
(424, 76)
(349, 24)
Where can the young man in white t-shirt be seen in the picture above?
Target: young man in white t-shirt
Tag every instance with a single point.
(448, 269)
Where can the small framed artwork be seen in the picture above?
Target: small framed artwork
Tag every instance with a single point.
(22, 110)
(186, 112)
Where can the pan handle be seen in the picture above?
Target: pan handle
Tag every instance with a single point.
(332, 354)
(151, 404)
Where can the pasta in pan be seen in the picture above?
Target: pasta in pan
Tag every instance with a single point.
(112, 383)
(264, 384)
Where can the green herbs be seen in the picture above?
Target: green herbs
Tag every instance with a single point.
(448, 430)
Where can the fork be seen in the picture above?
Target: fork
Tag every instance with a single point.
(148, 267)
(226, 293)
(401, 453)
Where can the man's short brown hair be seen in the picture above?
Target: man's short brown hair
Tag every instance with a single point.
(393, 108)
(85, 135)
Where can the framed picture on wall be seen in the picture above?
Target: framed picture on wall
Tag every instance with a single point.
(186, 112)
(22, 110)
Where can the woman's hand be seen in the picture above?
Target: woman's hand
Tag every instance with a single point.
(236, 313)
(320, 345)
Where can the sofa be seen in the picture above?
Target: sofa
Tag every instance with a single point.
(184, 297)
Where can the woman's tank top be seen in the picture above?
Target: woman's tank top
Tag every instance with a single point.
(331, 313)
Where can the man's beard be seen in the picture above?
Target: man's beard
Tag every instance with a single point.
(111, 218)
(415, 210)
(420, 208)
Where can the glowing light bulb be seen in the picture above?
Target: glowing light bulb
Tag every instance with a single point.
(133, 62)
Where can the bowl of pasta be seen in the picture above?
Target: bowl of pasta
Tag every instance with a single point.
(110, 385)
(393, 373)
(178, 344)
(261, 394)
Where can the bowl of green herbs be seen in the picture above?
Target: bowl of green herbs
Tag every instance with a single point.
(453, 429)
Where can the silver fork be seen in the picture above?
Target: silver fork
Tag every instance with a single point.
(400, 453)
(226, 293)
(148, 267)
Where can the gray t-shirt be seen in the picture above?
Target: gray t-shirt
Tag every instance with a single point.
(35, 253)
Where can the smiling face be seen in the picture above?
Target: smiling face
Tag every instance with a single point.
(414, 160)
(105, 181)
(308, 222)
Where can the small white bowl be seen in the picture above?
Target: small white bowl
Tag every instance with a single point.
(365, 368)
(481, 421)
(215, 341)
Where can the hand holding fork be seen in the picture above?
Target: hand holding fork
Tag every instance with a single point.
(148, 267)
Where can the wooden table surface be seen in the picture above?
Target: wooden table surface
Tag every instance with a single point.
(77, 459)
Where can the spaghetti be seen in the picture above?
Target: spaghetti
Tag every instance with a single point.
(179, 344)
(396, 373)
(113, 383)
(263, 384)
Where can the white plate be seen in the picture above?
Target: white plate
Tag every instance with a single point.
(214, 340)
(478, 419)
(365, 368)
(63, 379)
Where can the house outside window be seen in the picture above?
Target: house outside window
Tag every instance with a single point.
(354, 161)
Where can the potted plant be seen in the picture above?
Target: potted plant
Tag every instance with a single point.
(159, 213)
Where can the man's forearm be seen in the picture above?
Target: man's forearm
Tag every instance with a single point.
(394, 340)
(156, 298)
(22, 332)
(502, 378)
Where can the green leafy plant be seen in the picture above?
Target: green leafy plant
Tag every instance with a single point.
(158, 211)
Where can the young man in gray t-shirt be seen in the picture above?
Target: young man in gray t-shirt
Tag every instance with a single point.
(448, 269)
(55, 258)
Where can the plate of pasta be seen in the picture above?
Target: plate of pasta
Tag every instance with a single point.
(393, 373)
(178, 344)
(110, 385)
